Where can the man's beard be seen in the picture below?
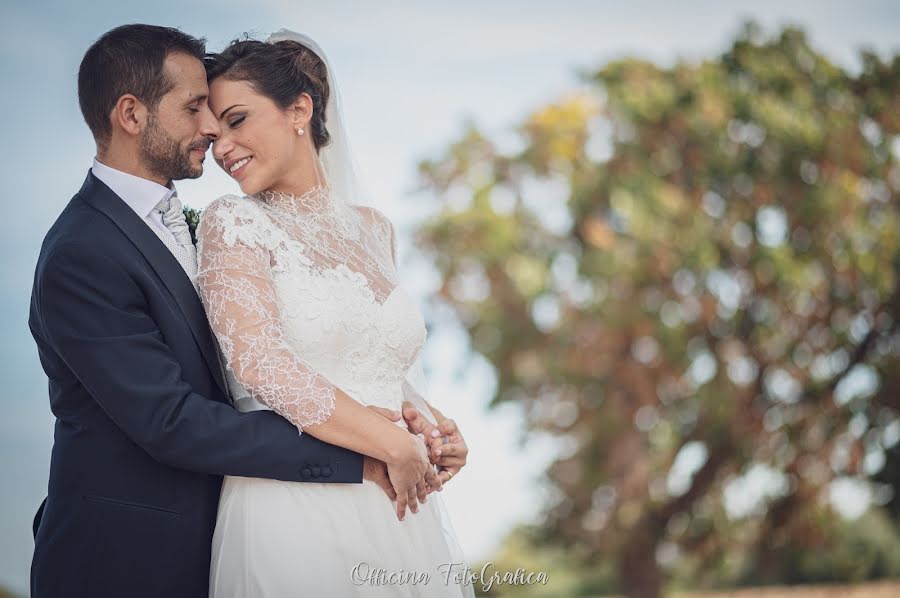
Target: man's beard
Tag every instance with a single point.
(164, 157)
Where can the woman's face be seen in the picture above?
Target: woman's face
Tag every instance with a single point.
(258, 145)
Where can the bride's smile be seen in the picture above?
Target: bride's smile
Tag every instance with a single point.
(236, 167)
(265, 144)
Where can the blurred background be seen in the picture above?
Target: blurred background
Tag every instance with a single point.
(657, 246)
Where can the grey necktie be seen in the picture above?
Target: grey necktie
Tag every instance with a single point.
(182, 247)
(184, 251)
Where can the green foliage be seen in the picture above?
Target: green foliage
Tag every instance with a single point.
(840, 551)
(192, 218)
(524, 549)
(702, 258)
(4, 593)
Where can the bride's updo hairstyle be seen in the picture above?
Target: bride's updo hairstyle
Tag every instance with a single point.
(281, 71)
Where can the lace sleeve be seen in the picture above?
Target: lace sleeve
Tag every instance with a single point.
(235, 279)
(383, 229)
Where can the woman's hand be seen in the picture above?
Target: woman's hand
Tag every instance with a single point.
(447, 447)
(407, 466)
(376, 470)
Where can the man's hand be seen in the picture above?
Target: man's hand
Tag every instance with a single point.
(377, 471)
(446, 446)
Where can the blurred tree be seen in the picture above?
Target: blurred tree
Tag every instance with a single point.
(689, 276)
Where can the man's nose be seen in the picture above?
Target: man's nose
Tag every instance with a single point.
(209, 125)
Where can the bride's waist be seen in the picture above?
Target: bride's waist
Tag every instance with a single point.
(237, 490)
(387, 394)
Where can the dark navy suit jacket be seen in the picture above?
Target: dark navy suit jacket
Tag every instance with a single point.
(144, 430)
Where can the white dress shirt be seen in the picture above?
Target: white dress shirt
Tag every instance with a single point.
(140, 194)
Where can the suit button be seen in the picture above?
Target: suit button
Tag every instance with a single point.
(306, 472)
(316, 472)
(326, 471)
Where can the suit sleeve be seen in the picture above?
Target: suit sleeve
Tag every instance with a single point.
(96, 318)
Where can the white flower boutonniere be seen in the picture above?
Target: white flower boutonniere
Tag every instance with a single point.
(192, 217)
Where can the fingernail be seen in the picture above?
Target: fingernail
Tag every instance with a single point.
(435, 433)
(437, 452)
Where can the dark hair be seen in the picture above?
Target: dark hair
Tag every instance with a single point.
(281, 71)
(128, 59)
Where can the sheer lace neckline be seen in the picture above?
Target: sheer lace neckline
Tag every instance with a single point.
(314, 199)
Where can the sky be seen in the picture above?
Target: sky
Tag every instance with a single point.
(411, 75)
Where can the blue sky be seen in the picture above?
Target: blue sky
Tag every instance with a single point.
(411, 74)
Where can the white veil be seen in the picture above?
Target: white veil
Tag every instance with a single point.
(344, 179)
(336, 157)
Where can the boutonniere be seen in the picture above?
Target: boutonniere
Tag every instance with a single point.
(192, 217)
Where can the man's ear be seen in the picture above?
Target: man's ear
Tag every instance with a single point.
(130, 114)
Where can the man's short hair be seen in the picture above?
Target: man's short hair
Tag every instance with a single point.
(129, 59)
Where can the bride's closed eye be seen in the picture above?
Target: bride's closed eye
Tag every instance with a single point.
(237, 121)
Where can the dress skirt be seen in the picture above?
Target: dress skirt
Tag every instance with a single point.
(277, 539)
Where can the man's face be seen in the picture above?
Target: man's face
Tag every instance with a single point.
(173, 144)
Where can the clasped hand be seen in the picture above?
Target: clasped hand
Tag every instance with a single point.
(432, 456)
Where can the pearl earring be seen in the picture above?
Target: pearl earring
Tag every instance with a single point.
(300, 131)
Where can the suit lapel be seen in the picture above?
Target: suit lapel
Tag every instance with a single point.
(166, 266)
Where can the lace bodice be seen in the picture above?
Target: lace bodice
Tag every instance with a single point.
(301, 293)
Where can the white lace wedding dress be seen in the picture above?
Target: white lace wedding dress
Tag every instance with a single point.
(302, 295)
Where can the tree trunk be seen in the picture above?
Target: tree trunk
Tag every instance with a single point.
(639, 573)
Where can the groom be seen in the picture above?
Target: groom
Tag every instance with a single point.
(144, 427)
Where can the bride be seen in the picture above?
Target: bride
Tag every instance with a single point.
(300, 285)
